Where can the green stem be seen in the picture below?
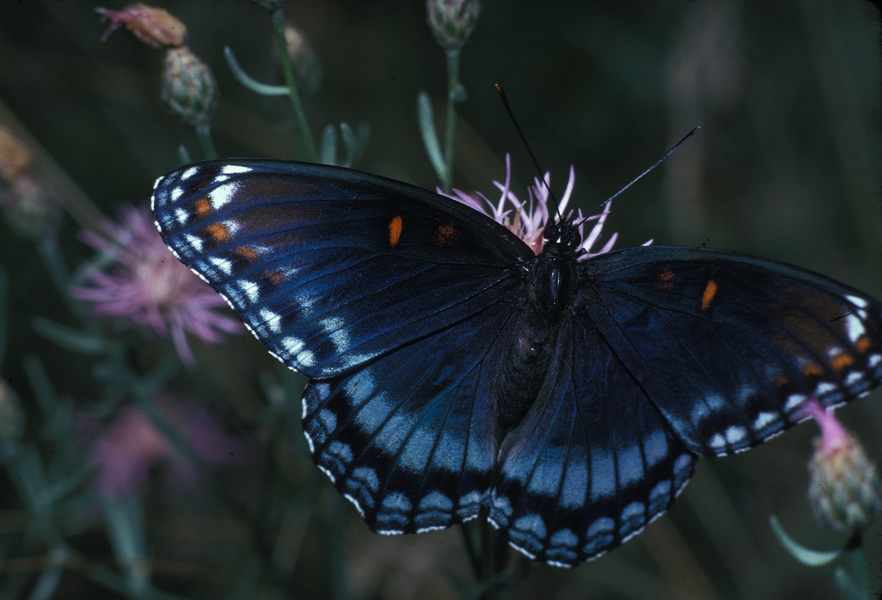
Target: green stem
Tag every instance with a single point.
(857, 563)
(206, 141)
(278, 19)
(450, 134)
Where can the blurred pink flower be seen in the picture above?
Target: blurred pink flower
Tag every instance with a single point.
(845, 492)
(126, 451)
(146, 284)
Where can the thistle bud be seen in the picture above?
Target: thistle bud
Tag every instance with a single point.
(452, 21)
(844, 489)
(27, 203)
(153, 26)
(306, 65)
(188, 87)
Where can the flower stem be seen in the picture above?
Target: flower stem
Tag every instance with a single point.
(450, 134)
(856, 563)
(207, 142)
(278, 19)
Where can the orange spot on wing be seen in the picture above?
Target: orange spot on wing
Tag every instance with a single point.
(863, 343)
(202, 206)
(781, 379)
(247, 252)
(275, 276)
(710, 290)
(841, 361)
(812, 369)
(665, 280)
(395, 227)
(447, 235)
(218, 232)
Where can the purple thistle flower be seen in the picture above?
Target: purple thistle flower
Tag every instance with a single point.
(528, 219)
(125, 453)
(147, 285)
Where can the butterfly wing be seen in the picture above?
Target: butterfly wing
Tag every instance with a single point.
(592, 463)
(670, 353)
(729, 347)
(328, 267)
(410, 438)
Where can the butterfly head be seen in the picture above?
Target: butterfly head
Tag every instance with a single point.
(564, 233)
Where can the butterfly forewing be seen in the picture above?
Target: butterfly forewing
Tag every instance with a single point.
(746, 341)
(327, 270)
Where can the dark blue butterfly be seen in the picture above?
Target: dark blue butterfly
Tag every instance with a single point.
(453, 369)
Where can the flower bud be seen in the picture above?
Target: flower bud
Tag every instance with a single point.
(30, 208)
(188, 87)
(452, 21)
(26, 201)
(306, 65)
(844, 490)
(153, 26)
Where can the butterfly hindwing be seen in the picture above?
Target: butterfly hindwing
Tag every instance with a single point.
(592, 463)
(409, 438)
(729, 347)
(329, 268)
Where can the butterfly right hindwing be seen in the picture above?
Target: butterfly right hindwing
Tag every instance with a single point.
(592, 463)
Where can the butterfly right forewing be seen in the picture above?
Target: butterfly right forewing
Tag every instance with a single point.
(730, 347)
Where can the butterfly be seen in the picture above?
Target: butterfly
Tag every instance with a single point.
(456, 370)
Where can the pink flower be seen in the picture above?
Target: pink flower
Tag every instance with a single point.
(527, 219)
(147, 285)
(126, 452)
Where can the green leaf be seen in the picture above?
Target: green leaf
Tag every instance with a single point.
(430, 137)
(807, 556)
(252, 84)
(72, 339)
(328, 146)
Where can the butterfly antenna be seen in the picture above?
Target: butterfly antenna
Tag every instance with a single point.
(505, 103)
(644, 173)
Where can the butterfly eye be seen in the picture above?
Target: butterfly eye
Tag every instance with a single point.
(551, 232)
(563, 233)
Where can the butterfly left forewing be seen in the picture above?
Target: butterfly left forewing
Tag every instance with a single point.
(730, 347)
(329, 267)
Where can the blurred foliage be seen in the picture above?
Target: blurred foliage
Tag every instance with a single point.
(786, 165)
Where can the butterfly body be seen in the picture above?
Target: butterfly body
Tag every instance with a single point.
(453, 368)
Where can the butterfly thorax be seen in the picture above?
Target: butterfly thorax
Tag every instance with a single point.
(550, 286)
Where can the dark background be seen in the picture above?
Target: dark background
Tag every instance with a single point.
(786, 165)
